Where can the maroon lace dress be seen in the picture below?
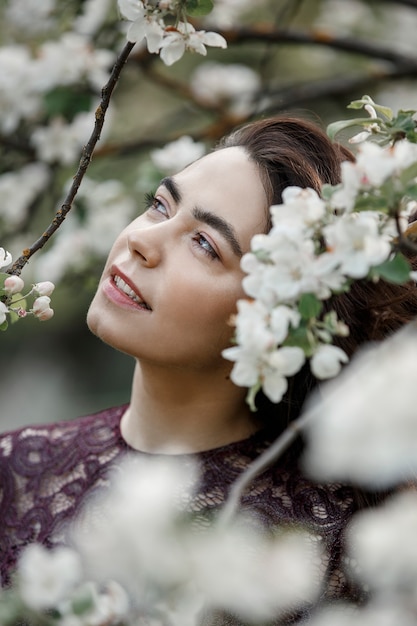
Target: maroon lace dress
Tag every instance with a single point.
(48, 472)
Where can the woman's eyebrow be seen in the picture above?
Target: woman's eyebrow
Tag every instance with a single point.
(220, 224)
(172, 187)
(206, 217)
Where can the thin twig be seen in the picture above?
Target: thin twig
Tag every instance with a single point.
(85, 160)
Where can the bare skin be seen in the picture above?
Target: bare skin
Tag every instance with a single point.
(180, 265)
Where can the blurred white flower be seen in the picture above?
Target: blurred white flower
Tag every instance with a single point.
(383, 544)
(364, 428)
(177, 154)
(327, 360)
(31, 16)
(92, 17)
(233, 84)
(70, 59)
(130, 536)
(45, 577)
(18, 190)
(61, 141)
(226, 13)
(255, 578)
(19, 99)
(108, 210)
(140, 535)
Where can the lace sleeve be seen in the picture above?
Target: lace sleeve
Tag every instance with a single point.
(46, 472)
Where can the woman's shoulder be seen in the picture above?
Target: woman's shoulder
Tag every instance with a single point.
(87, 433)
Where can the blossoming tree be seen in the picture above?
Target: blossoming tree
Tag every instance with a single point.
(318, 246)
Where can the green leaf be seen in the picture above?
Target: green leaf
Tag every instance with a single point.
(394, 270)
(359, 104)
(408, 174)
(404, 122)
(309, 306)
(383, 110)
(335, 128)
(198, 8)
(410, 192)
(4, 325)
(299, 337)
(371, 202)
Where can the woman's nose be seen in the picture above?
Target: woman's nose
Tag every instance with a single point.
(145, 243)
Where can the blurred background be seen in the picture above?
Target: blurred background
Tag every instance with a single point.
(309, 58)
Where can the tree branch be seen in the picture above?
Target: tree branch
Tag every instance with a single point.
(83, 165)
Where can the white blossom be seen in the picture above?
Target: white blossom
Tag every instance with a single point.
(185, 37)
(18, 189)
(304, 207)
(18, 97)
(255, 358)
(364, 427)
(226, 13)
(108, 210)
(47, 576)
(177, 154)
(327, 360)
(280, 364)
(344, 197)
(137, 533)
(92, 17)
(383, 544)
(354, 239)
(69, 60)
(61, 141)
(378, 163)
(144, 26)
(234, 84)
(31, 16)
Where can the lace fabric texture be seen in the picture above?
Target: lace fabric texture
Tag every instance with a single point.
(47, 473)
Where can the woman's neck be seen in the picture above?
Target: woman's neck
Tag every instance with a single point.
(178, 412)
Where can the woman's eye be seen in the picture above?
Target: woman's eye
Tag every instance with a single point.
(206, 246)
(153, 203)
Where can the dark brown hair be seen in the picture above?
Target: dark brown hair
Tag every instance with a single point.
(292, 151)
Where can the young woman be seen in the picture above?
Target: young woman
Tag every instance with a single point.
(166, 295)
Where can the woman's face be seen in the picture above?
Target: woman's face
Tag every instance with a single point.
(173, 276)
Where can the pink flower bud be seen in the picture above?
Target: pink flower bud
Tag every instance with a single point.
(22, 312)
(44, 288)
(13, 284)
(40, 305)
(45, 315)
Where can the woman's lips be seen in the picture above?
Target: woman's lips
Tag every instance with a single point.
(118, 290)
